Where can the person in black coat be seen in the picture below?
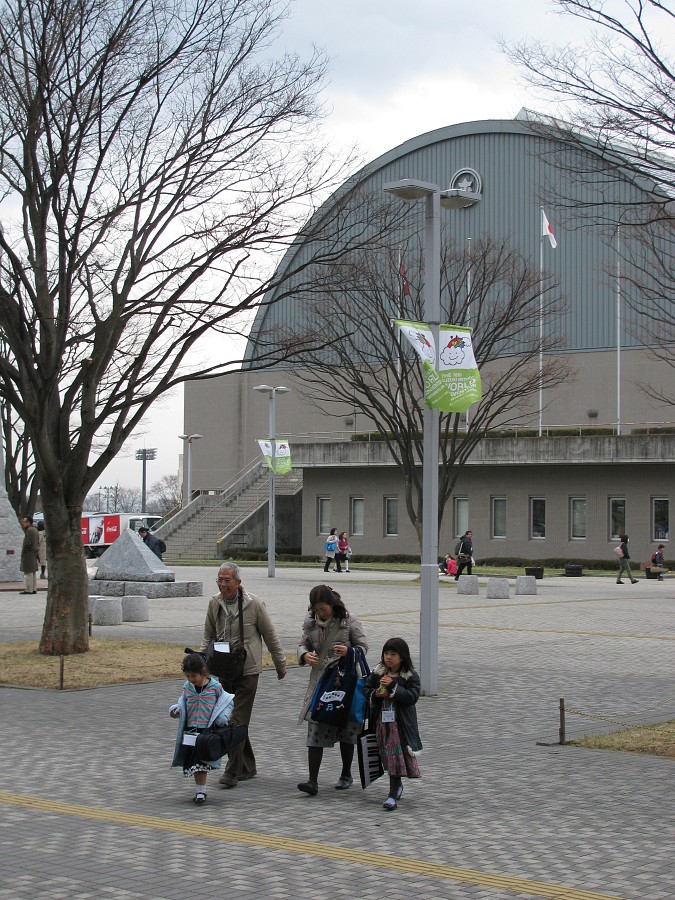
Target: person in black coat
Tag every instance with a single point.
(465, 555)
(151, 542)
(393, 689)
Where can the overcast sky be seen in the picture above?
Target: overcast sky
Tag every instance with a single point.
(397, 69)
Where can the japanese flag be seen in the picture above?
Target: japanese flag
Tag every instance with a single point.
(547, 231)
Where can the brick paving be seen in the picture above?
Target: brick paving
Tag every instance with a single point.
(492, 803)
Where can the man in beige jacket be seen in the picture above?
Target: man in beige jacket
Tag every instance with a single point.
(222, 624)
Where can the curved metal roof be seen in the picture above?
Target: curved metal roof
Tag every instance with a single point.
(516, 162)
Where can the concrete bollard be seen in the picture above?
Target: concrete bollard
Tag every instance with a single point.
(497, 589)
(526, 584)
(107, 611)
(467, 584)
(135, 608)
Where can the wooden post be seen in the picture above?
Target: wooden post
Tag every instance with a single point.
(561, 730)
(62, 660)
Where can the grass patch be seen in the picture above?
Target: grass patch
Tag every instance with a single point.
(107, 662)
(656, 740)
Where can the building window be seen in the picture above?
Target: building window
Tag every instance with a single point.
(391, 516)
(499, 517)
(660, 525)
(537, 518)
(461, 516)
(323, 515)
(577, 518)
(357, 507)
(617, 517)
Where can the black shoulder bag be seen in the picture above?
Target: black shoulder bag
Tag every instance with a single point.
(229, 667)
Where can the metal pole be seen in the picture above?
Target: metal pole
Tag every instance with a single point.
(143, 491)
(429, 568)
(618, 328)
(561, 729)
(189, 468)
(271, 517)
(541, 321)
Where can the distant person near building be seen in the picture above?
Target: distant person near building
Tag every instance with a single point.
(465, 555)
(344, 550)
(331, 551)
(659, 562)
(30, 550)
(624, 557)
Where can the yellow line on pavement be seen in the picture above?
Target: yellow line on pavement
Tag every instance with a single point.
(309, 848)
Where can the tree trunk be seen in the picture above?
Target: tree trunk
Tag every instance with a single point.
(65, 629)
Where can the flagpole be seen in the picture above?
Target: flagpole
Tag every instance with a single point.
(618, 328)
(541, 321)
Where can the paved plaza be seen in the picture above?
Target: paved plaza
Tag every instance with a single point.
(91, 809)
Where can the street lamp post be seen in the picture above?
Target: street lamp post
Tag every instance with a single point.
(271, 510)
(411, 191)
(189, 438)
(144, 454)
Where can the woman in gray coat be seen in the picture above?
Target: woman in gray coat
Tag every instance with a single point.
(327, 633)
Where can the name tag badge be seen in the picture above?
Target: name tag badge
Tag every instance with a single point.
(189, 740)
(389, 714)
(222, 646)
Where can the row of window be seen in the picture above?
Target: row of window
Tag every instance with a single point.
(616, 517)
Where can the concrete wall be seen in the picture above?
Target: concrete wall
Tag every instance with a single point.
(595, 469)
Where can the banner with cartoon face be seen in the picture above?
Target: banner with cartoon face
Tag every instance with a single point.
(280, 463)
(455, 385)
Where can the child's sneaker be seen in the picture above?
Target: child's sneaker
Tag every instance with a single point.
(390, 803)
(199, 797)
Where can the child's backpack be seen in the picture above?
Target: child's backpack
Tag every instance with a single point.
(619, 552)
(654, 558)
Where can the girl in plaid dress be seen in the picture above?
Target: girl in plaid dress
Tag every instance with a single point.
(394, 690)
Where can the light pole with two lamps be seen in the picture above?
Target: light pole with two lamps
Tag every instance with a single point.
(411, 190)
(189, 438)
(271, 511)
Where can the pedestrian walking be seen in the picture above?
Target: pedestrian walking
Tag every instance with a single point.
(203, 703)
(327, 633)
(624, 557)
(222, 624)
(394, 689)
(331, 551)
(344, 550)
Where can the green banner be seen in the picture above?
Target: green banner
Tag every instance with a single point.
(279, 460)
(451, 383)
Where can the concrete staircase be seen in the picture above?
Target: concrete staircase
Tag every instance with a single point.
(214, 519)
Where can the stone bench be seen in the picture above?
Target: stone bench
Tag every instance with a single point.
(467, 584)
(498, 589)
(526, 584)
(107, 611)
(135, 608)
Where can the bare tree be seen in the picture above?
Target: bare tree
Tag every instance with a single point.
(383, 378)
(165, 495)
(20, 482)
(613, 133)
(156, 156)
